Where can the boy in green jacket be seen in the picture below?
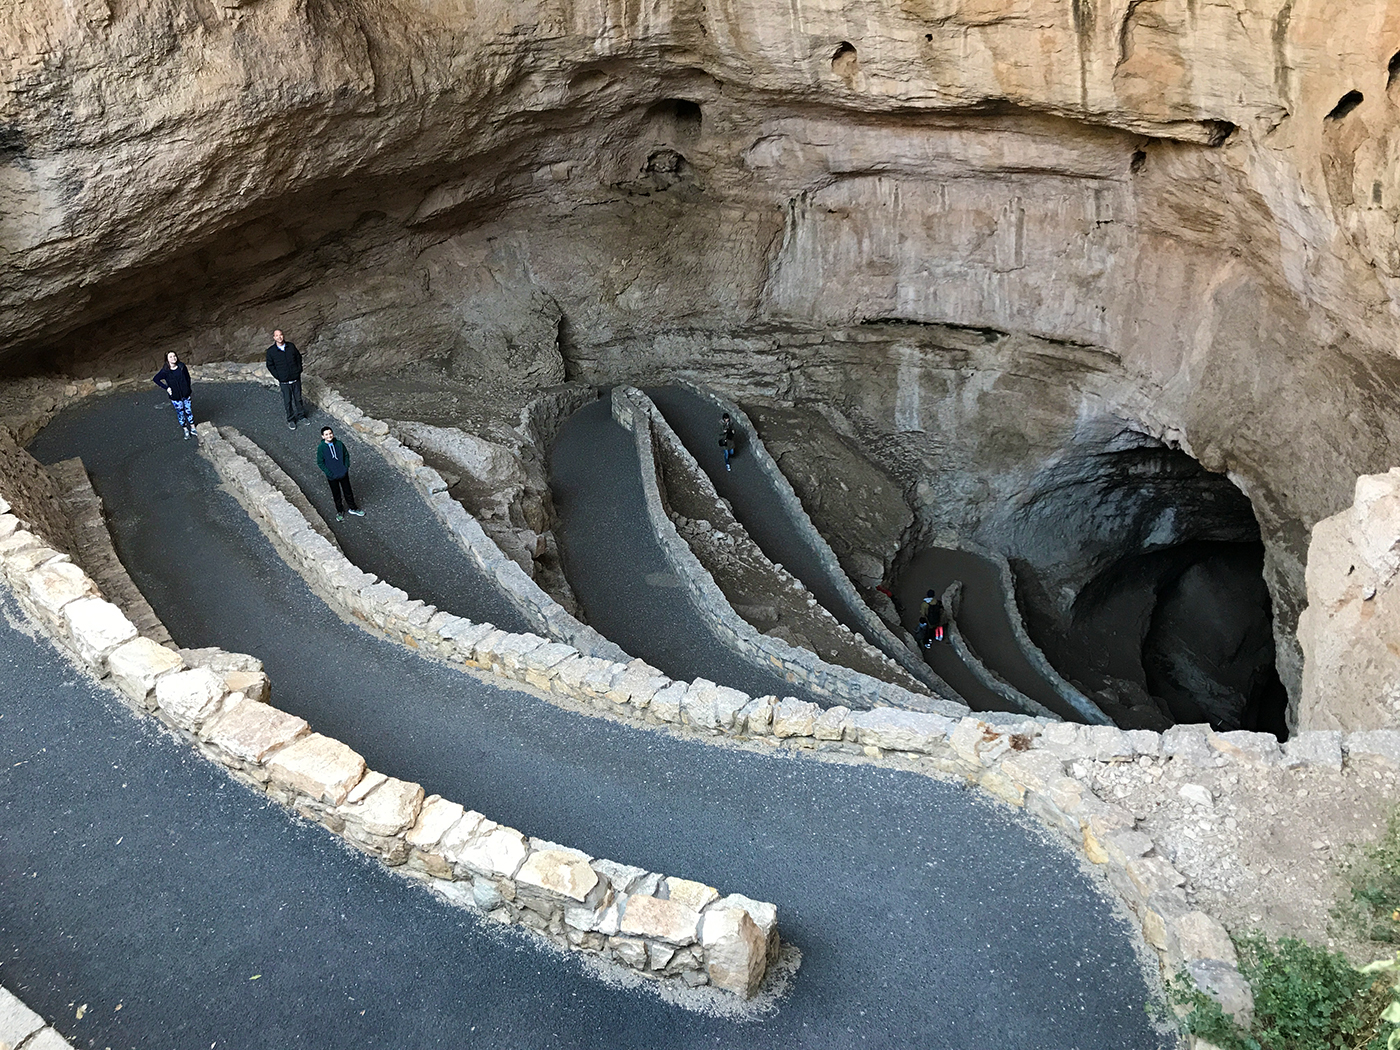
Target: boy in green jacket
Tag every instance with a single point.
(334, 460)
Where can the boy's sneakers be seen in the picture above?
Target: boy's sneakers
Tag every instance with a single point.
(340, 517)
(292, 425)
(358, 513)
(186, 432)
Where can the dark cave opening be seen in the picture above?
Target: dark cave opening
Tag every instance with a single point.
(1170, 619)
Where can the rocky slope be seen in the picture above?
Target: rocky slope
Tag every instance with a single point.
(995, 242)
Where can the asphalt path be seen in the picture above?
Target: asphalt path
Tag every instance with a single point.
(982, 618)
(616, 566)
(399, 539)
(137, 874)
(765, 518)
(750, 493)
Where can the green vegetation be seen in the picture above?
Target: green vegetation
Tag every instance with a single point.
(1305, 998)
(1372, 875)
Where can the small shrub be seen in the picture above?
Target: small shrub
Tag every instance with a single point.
(1371, 911)
(1305, 998)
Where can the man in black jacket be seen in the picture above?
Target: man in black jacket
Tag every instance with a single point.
(284, 362)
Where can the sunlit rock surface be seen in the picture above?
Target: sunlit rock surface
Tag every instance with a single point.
(982, 236)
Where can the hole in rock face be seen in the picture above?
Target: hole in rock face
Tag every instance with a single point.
(1392, 71)
(1170, 620)
(1345, 105)
(678, 119)
(1138, 162)
(844, 62)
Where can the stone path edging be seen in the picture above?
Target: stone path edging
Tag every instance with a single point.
(1024, 763)
(679, 471)
(663, 927)
(872, 626)
(23, 1029)
(1032, 652)
(952, 598)
(635, 411)
(1019, 760)
(524, 593)
(280, 479)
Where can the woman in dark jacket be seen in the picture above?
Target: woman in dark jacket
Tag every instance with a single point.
(174, 379)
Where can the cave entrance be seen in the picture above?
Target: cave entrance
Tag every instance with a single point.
(1163, 615)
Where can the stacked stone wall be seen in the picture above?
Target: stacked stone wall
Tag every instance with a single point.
(1041, 767)
(661, 926)
(635, 411)
(871, 625)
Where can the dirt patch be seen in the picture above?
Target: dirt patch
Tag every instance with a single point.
(1259, 847)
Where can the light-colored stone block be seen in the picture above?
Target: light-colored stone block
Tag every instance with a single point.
(316, 766)
(53, 585)
(391, 808)
(136, 666)
(736, 951)
(558, 874)
(690, 893)
(485, 847)
(832, 723)
(662, 920)
(435, 819)
(97, 627)
(1253, 749)
(189, 697)
(712, 706)
(896, 730)
(1380, 746)
(249, 731)
(255, 685)
(17, 1021)
(666, 703)
(795, 718)
(1314, 749)
(1033, 770)
(1223, 983)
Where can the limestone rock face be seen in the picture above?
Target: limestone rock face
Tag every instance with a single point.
(1350, 631)
(979, 234)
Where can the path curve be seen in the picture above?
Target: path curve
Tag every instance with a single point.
(927, 917)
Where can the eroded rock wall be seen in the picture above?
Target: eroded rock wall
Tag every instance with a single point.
(983, 235)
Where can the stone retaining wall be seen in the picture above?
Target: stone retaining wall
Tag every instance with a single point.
(687, 490)
(1032, 652)
(1045, 769)
(635, 411)
(524, 593)
(871, 625)
(1030, 764)
(952, 599)
(663, 927)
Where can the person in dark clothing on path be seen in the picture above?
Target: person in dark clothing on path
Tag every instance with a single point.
(726, 438)
(284, 362)
(334, 460)
(931, 623)
(174, 379)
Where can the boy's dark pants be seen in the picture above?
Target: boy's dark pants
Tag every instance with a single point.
(342, 485)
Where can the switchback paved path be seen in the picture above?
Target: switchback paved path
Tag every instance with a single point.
(136, 873)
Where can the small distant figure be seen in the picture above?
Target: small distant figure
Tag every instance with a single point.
(174, 379)
(931, 622)
(284, 362)
(726, 438)
(334, 460)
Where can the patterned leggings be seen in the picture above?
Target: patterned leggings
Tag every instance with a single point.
(184, 410)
